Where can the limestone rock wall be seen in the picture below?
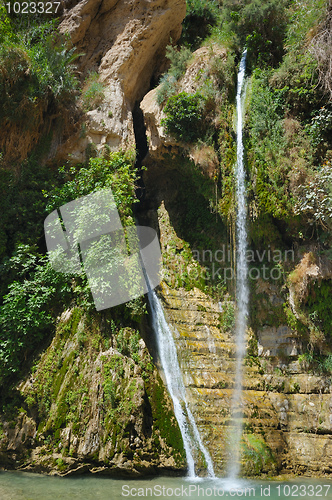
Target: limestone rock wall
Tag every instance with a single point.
(287, 411)
(124, 41)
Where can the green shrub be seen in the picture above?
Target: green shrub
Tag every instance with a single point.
(224, 72)
(29, 309)
(227, 317)
(260, 25)
(93, 92)
(116, 172)
(23, 205)
(296, 82)
(35, 73)
(179, 59)
(267, 151)
(201, 16)
(37, 85)
(184, 116)
(167, 88)
(314, 199)
(319, 306)
(305, 17)
(320, 132)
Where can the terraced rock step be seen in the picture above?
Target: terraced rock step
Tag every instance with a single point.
(287, 413)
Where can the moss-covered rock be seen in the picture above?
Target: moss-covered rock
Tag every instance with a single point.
(94, 400)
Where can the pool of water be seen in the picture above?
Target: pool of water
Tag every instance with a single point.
(27, 486)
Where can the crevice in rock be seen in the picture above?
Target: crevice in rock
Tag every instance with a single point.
(142, 149)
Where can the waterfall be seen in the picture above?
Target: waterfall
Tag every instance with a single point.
(210, 340)
(174, 381)
(242, 291)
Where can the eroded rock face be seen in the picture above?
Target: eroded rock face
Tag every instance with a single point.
(161, 143)
(124, 41)
(310, 269)
(285, 409)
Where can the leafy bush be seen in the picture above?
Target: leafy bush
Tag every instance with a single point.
(35, 294)
(319, 306)
(224, 72)
(305, 16)
(259, 24)
(37, 83)
(31, 75)
(296, 82)
(183, 116)
(167, 88)
(200, 17)
(314, 199)
(321, 50)
(227, 317)
(179, 59)
(29, 309)
(266, 151)
(117, 172)
(320, 129)
(23, 205)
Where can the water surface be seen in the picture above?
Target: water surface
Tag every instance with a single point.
(27, 486)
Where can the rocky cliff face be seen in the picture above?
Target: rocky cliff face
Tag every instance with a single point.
(94, 400)
(124, 41)
(287, 411)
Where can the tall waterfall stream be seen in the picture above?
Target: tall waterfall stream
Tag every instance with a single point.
(242, 291)
(165, 342)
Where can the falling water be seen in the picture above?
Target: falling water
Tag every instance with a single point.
(210, 341)
(169, 361)
(242, 292)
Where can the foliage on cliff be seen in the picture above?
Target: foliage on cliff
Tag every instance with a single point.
(37, 83)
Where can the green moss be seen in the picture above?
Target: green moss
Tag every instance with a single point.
(58, 380)
(41, 427)
(293, 322)
(164, 420)
(257, 456)
(61, 466)
(319, 305)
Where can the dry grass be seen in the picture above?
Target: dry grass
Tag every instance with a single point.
(302, 275)
(206, 158)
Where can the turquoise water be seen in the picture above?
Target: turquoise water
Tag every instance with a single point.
(27, 486)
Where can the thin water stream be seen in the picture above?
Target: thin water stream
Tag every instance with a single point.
(174, 381)
(242, 291)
